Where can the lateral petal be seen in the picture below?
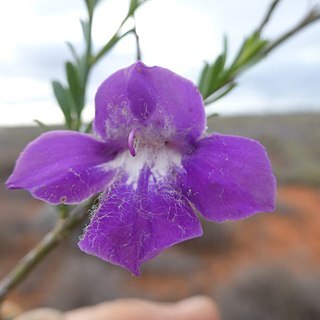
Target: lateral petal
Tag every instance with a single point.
(62, 167)
(229, 178)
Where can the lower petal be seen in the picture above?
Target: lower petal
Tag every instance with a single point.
(134, 223)
(229, 178)
(62, 167)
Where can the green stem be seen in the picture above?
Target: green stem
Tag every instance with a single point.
(115, 38)
(268, 15)
(87, 68)
(61, 230)
(311, 17)
(63, 211)
(138, 48)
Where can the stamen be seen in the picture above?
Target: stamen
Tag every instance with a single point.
(132, 141)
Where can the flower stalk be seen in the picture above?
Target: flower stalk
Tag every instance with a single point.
(60, 232)
(268, 15)
(312, 16)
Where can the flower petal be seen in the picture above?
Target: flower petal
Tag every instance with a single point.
(135, 223)
(62, 167)
(160, 103)
(229, 177)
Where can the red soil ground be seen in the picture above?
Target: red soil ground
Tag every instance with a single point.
(289, 237)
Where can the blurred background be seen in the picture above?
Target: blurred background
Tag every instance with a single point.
(260, 268)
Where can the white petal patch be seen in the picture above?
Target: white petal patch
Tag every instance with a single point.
(158, 159)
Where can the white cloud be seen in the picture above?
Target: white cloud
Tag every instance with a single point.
(178, 34)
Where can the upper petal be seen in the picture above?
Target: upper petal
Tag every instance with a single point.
(162, 104)
(229, 177)
(62, 167)
(134, 223)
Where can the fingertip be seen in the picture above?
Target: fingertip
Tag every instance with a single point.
(198, 307)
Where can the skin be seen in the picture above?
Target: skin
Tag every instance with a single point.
(199, 307)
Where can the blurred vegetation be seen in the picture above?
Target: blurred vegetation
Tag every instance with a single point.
(292, 141)
(219, 78)
(271, 293)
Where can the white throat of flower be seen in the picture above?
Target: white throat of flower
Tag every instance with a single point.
(159, 158)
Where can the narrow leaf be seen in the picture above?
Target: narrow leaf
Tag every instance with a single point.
(90, 6)
(220, 93)
(203, 76)
(42, 125)
(134, 5)
(61, 96)
(75, 87)
(109, 45)
(73, 51)
(85, 30)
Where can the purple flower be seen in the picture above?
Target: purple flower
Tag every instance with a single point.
(152, 163)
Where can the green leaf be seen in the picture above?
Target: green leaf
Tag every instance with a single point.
(203, 77)
(85, 30)
(212, 115)
(250, 50)
(216, 70)
(42, 125)
(219, 65)
(88, 127)
(225, 50)
(82, 68)
(212, 74)
(73, 51)
(255, 53)
(109, 45)
(75, 87)
(244, 47)
(134, 5)
(220, 93)
(90, 6)
(61, 95)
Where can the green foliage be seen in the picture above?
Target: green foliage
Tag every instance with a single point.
(211, 73)
(75, 87)
(71, 97)
(91, 5)
(250, 52)
(134, 5)
(64, 100)
(86, 30)
(218, 79)
(73, 51)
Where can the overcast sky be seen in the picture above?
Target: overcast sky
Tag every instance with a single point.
(177, 34)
